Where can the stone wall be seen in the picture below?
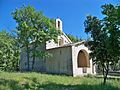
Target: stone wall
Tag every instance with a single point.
(60, 61)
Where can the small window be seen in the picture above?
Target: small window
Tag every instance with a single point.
(60, 52)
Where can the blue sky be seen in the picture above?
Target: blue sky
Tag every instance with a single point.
(71, 12)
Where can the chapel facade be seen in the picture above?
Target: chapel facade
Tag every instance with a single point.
(67, 57)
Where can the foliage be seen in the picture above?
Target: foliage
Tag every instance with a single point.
(9, 52)
(38, 81)
(105, 34)
(73, 38)
(33, 29)
(116, 66)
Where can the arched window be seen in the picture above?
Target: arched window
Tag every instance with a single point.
(83, 59)
(61, 41)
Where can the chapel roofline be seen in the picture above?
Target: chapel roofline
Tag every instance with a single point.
(69, 45)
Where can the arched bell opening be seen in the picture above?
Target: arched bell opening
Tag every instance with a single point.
(58, 24)
(83, 59)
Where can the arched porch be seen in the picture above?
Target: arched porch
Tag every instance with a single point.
(83, 59)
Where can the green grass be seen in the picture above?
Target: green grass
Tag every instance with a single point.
(38, 81)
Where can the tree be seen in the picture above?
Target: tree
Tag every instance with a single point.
(105, 34)
(9, 53)
(116, 66)
(33, 29)
(73, 38)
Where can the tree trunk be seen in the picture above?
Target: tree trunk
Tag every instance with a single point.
(27, 56)
(103, 72)
(105, 77)
(34, 55)
(106, 73)
(33, 61)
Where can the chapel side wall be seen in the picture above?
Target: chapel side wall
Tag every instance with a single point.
(23, 60)
(60, 62)
(39, 64)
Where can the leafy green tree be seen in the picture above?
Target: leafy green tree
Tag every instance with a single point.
(105, 34)
(9, 53)
(116, 66)
(33, 29)
(73, 38)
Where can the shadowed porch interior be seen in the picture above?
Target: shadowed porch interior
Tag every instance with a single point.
(83, 59)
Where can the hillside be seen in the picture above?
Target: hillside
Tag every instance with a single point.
(38, 81)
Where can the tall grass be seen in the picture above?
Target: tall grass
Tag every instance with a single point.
(38, 81)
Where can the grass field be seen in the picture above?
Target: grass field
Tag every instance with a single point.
(38, 81)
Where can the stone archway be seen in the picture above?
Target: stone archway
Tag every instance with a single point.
(83, 59)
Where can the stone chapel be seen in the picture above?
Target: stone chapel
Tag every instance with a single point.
(67, 57)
